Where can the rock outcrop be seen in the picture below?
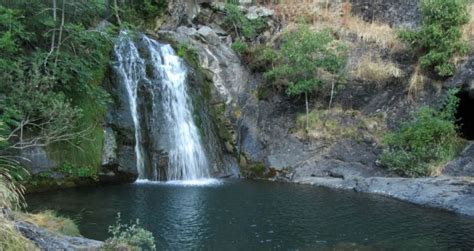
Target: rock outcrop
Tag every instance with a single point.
(397, 13)
(453, 194)
(48, 241)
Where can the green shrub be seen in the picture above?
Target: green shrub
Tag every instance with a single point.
(239, 47)
(188, 53)
(74, 171)
(439, 38)
(240, 24)
(131, 237)
(261, 57)
(425, 142)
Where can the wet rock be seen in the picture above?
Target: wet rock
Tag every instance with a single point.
(127, 159)
(36, 159)
(109, 152)
(49, 241)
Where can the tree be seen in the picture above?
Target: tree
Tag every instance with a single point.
(308, 60)
(439, 38)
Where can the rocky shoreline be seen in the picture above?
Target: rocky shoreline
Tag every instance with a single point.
(47, 240)
(455, 194)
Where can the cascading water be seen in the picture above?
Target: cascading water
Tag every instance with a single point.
(131, 69)
(157, 69)
(187, 160)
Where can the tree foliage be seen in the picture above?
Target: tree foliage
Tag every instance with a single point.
(306, 58)
(54, 55)
(439, 38)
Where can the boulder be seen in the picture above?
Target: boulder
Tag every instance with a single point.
(255, 12)
(49, 241)
(462, 165)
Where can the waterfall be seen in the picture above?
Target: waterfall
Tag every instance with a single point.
(131, 69)
(167, 125)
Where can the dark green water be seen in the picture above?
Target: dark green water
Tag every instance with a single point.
(246, 215)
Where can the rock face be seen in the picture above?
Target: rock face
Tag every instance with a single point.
(397, 13)
(118, 152)
(463, 165)
(48, 241)
(36, 160)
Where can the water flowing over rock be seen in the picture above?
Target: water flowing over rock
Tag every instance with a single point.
(168, 143)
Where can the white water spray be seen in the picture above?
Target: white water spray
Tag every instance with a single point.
(186, 157)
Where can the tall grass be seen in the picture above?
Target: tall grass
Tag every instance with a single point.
(11, 198)
(375, 69)
(51, 221)
(338, 17)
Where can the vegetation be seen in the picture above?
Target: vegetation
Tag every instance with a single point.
(11, 198)
(51, 221)
(77, 171)
(53, 58)
(373, 68)
(129, 237)
(236, 21)
(425, 142)
(188, 53)
(307, 60)
(239, 47)
(338, 124)
(439, 38)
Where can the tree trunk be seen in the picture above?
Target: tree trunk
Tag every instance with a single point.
(53, 37)
(307, 111)
(332, 94)
(61, 28)
(117, 13)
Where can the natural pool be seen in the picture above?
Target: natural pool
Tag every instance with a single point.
(248, 215)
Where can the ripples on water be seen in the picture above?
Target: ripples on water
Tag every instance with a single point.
(245, 215)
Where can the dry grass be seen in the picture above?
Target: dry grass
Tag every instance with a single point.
(337, 123)
(416, 83)
(51, 221)
(11, 197)
(11, 239)
(379, 33)
(468, 29)
(373, 68)
(338, 17)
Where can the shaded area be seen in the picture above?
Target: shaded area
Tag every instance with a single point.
(465, 115)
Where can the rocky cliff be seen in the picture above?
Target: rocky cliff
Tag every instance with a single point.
(264, 130)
